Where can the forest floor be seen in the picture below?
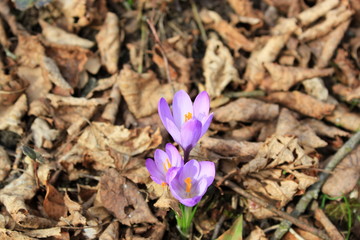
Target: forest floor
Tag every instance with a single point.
(80, 83)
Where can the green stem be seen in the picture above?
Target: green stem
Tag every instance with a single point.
(184, 222)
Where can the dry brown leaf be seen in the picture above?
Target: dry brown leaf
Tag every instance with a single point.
(255, 71)
(3, 38)
(343, 117)
(310, 15)
(283, 77)
(57, 35)
(29, 51)
(112, 107)
(44, 233)
(299, 233)
(52, 73)
(109, 39)
(74, 10)
(323, 129)
(179, 66)
(59, 101)
(333, 19)
(70, 60)
(123, 199)
(40, 108)
(43, 135)
(218, 66)
(39, 85)
(257, 234)
(241, 151)
(355, 45)
(5, 164)
(6, 234)
(75, 216)
(53, 204)
(302, 103)
(230, 34)
(111, 232)
(10, 117)
(142, 92)
(288, 125)
(345, 176)
(349, 72)
(315, 87)
(246, 110)
(265, 173)
(103, 84)
(13, 197)
(328, 44)
(167, 201)
(347, 93)
(246, 132)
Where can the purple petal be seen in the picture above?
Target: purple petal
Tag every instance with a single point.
(207, 172)
(190, 202)
(190, 134)
(155, 174)
(201, 187)
(171, 174)
(168, 120)
(191, 169)
(201, 106)
(161, 159)
(175, 157)
(181, 106)
(206, 124)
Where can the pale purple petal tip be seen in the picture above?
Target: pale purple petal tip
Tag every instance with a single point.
(201, 106)
(206, 124)
(155, 174)
(182, 107)
(207, 171)
(173, 153)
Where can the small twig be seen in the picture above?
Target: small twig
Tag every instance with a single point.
(273, 209)
(327, 224)
(157, 40)
(218, 226)
(314, 190)
(198, 21)
(255, 93)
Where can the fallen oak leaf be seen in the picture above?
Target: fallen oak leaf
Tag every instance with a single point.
(109, 39)
(302, 103)
(246, 110)
(218, 66)
(123, 199)
(284, 77)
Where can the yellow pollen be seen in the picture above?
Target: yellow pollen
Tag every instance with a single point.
(188, 116)
(163, 184)
(167, 165)
(188, 184)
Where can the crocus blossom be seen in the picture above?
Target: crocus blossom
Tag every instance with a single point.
(159, 167)
(187, 122)
(189, 183)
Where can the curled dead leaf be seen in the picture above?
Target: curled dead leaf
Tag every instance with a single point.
(343, 117)
(123, 199)
(109, 39)
(283, 78)
(218, 66)
(5, 164)
(310, 15)
(302, 103)
(230, 34)
(142, 92)
(43, 135)
(57, 35)
(246, 110)
(10, 117)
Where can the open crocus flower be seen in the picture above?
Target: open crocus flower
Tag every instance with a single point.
(159, 167)
(188, 122)
(189, 183)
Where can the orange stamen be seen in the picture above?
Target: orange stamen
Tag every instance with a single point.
(167, 165)
(188, 184)
(163, 184)
(188, 116)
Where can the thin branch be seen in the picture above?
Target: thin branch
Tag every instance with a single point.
(198, 20)
(273, 209)
(314, 190)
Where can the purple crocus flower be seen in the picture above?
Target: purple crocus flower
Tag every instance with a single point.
(163, 162)
(188, 122)
(189, 183)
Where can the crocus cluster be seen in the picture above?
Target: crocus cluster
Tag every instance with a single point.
(186, 123)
